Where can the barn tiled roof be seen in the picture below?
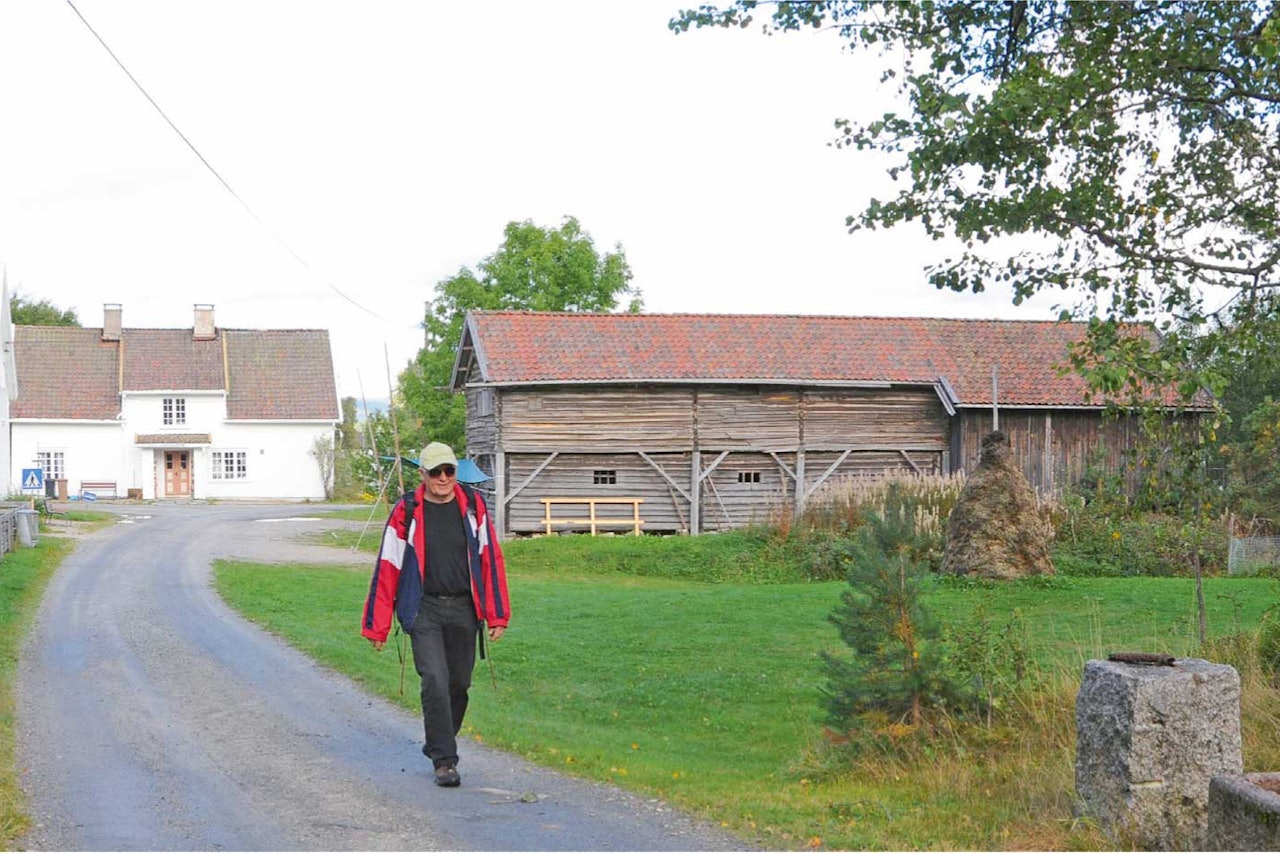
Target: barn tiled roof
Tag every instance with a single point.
(514, 348)
(70, 372)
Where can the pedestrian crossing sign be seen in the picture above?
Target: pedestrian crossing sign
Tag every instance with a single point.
(32, 479)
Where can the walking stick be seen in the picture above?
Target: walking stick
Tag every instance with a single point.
(395, 428)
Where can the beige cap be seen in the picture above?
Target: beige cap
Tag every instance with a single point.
(435, 454)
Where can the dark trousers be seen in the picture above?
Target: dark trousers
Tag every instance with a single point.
(444, 653)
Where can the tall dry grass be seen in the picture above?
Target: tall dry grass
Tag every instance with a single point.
(1014, 776)
(1259, 696)
(843, 503)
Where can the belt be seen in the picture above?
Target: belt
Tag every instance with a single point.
(453, 597)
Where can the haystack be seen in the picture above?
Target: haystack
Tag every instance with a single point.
(997, 528)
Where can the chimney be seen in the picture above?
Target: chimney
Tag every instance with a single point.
(111, 321)
(205, 330)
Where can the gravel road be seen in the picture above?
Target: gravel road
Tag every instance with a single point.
(151, 717)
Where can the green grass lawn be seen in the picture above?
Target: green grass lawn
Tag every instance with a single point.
(707, 693)
(23, 575)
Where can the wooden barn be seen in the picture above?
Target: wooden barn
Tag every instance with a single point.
(689, 423)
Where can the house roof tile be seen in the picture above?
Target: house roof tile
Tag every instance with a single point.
(531, 347)
(170, 360)
(71, 373)
(65, 372)
(280, 375)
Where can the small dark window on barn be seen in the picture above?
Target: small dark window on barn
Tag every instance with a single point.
(604, 478)
(484, 402)
(748, 476)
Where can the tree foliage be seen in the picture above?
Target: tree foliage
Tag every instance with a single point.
(535, 269)
(349, 429)
(895, 662)
(27, 311)
(1140, 141)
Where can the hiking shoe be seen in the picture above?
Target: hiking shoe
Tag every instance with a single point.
(447, 776)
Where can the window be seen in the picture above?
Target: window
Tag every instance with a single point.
(484, 402)
(748, 476)
(174, 410)
(604, 478)
(230, 464)
(53, 463)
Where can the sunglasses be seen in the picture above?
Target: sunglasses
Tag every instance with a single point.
(447, 470)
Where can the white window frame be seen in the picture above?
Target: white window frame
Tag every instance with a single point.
(53, 462)
(227, 465)
(173, 411)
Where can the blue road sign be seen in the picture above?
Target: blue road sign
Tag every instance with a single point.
(32, 478)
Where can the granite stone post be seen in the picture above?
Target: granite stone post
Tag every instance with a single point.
(1148, 740)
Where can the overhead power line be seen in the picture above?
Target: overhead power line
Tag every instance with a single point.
(215, 172)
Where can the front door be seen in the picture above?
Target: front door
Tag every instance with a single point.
(177, 473)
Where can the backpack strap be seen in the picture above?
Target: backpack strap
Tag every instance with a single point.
(410, 506)
(471, 500)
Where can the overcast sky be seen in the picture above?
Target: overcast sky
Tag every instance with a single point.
(380, 146)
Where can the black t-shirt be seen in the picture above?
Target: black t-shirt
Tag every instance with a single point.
(446, 540)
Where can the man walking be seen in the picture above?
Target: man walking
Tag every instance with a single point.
(441, 572)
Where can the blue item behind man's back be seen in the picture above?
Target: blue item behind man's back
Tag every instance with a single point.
(469, 472)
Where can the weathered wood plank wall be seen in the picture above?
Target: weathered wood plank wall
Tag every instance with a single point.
(764, 430)
(1054, 448)
(746, 419)
(661, 419)
(573, 475)
(911, 418)
(605, 429)
(610, 419)
(482, 421)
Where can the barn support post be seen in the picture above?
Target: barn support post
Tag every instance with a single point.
(995, 398)
(500, 493)
(801, 492)
(695, 469)
(698, 476)
(1047, 487)
(695, 493)
(802, 400)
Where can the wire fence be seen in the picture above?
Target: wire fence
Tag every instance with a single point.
(1251, 555)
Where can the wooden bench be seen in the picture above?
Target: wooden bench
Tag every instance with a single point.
(634, 522)
(99, 488)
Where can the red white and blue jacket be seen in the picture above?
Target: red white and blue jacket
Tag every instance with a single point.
(399, 570)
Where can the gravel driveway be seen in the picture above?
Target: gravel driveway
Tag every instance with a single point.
(151, 717)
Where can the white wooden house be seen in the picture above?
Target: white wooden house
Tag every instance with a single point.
(200, 412)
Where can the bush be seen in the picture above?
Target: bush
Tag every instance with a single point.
(1100, 539)
(990, 663)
